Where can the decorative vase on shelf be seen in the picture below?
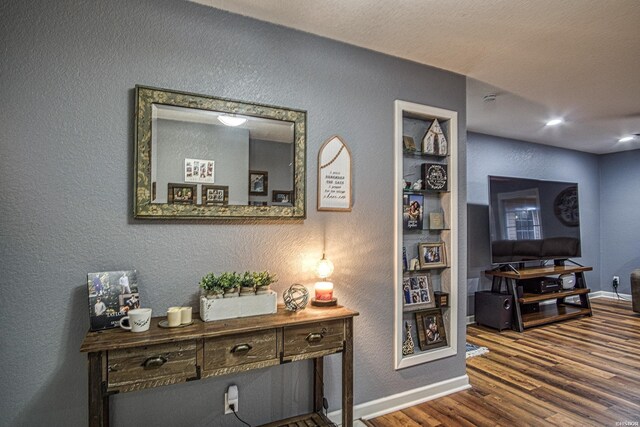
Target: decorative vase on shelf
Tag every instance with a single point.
(232, 292)
(261, 290)
(247, 291)
(213, 294)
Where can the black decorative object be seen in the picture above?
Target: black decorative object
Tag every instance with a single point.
(296, 297)
(565, 207)
(435, 177)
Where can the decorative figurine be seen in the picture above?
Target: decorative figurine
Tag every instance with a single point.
(417, 185)
(296, 297)
(407, 345)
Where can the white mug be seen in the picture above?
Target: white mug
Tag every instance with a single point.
(138, 320)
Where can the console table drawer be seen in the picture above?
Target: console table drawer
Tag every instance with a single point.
(313, 340)
(230, 354)
(151, 366)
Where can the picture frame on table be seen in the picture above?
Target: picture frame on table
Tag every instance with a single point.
(284, 197)
(184, 194)
(431, 331)
(215, 195)
(432, 255)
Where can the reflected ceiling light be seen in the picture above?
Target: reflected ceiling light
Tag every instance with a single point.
(626, 138)
(230, 120)
(554, 122)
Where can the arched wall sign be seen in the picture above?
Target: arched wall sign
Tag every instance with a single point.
(334, 176)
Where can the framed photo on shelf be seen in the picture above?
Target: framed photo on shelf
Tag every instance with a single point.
(111, 295)
(409, 144)
(434, 177)
(182, 194)
(258, 183)
(418, 290)
(432, 255)
(412, 211)
(215, 195)
(431, 331)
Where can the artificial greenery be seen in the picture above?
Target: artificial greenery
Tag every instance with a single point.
(226, 281)
(264, 278)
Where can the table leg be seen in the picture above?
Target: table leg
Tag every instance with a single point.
(98, 402)
(318, 378)
(347, 374)
(517, 314)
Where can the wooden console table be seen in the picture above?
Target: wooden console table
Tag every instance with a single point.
(122, 361)
(562, 310)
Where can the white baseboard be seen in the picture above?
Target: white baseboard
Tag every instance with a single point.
(611, 295)
(396, 402)
(471, 320)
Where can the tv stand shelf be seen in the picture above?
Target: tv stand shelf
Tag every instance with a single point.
(547, 313)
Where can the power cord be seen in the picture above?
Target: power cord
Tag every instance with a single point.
(615, 288)
(233, 409)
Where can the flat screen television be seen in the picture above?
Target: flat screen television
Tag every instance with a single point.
(533, 220)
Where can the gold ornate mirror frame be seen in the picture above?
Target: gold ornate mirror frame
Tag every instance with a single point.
(144, 188)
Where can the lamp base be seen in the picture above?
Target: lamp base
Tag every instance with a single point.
(324, 303)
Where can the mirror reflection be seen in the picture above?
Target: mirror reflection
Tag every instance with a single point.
(240, 163)
(200, 156)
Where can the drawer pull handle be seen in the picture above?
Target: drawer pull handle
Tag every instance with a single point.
(154, 362)
(241, 348)
(314, 337)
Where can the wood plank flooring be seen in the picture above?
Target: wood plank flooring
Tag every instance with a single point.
(581, 372)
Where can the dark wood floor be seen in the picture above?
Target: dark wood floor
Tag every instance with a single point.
(575, 373)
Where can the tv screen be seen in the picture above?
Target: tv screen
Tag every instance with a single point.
(531, 220)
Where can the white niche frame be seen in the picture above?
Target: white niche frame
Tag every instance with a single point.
(451, 218)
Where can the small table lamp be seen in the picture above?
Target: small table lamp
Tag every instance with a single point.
(324, 288)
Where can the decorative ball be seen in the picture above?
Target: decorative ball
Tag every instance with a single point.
(296, 297)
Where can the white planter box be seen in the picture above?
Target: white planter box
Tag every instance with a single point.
(229, 308)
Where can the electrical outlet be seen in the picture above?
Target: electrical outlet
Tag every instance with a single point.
(616, 281)
(231, 398)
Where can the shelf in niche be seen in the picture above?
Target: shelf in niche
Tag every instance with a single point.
(410, 308)
(421, 155)
(408, 273)
(424, 191)
(420, 230)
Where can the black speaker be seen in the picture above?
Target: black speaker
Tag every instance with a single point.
(494, 310)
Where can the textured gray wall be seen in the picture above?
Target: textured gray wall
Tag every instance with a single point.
(491, 155)
(619, 225)
(67, 75)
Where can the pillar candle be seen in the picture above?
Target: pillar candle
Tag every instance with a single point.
(324, 291)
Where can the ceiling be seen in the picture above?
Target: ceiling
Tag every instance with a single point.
(575, 59)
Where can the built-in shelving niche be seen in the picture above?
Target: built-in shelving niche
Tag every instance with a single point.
(414, 120)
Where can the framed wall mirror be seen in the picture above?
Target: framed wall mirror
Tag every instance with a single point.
(198, 156)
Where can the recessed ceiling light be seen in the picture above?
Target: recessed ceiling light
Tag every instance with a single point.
(626, 138)
(554, 122)
(230, 120)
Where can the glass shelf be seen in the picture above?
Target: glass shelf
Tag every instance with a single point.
(425, 155)
(405, 191)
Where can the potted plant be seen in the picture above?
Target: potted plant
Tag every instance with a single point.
(211, 286)
(247, 284)
(231, 284)
(263, 281)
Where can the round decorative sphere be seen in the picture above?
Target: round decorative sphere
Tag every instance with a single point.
(296, 297)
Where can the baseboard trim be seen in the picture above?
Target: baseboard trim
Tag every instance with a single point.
(471, 320)
(610, 295)
(396, 402)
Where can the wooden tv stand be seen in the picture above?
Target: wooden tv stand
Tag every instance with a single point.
(547, 313)
(122, 361)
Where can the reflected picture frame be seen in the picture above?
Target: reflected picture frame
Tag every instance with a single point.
(258, 183)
